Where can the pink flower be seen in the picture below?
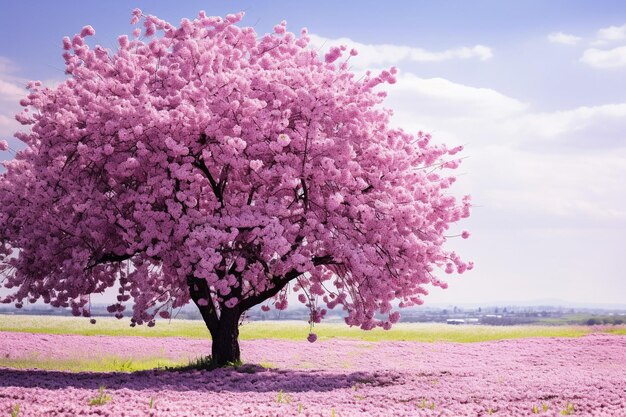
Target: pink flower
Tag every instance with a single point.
(87, 31)
(231, 302)
(333, 54)
(256, 164)
(280, 29)
(136, 16)
(123, 41)
(312, 337)
(283, 140)
(171, 135)
(465, 234)
(394, 317)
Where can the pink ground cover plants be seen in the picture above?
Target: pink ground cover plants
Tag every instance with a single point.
(544, 376)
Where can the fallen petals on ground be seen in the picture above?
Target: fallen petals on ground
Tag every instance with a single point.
(525, 377)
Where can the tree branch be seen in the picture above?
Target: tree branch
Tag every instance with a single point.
(281, 282)
(217, 189)
(110, 257)
(198, 289)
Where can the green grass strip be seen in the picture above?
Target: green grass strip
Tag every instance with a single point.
(292, 330)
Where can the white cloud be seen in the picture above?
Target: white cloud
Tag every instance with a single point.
(8, 126)
(539, 187)
(386, 54)
(597, 127)
(563, 38)
(444, 98)
(612, 33)
(7, 66)
(11, 91)
(600, 58)
(609, 35)
(558, 168)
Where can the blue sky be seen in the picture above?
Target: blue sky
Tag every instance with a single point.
(534, 89)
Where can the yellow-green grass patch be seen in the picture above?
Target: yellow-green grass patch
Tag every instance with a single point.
(293, 330)
(105, 364)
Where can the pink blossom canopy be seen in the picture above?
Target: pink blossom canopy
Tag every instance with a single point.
(204, 162)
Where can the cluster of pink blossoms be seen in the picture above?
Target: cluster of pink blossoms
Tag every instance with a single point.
(204, 159)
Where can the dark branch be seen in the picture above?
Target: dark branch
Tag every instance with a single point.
(198, 289)
(223, 181)
(217, 189)
(324, 260)
(109, 257)
(305, 195)
(281, 282)
(251, 195)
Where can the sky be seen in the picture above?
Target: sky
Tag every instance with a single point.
(534, 90)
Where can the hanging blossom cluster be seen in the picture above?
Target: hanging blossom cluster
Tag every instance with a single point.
(205, 163)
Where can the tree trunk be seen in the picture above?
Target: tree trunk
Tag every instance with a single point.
(225, 345)
(224, 328)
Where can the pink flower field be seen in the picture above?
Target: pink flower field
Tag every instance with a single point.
(525, 377)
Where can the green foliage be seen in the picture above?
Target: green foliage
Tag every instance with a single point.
(283, 398)
(151, 403)
(105, 364)
(616, 321)
(205, 363)
(424, 404)
(617, 330)
(100, 399)
(124, 365)
(15, 411)
(202, 363)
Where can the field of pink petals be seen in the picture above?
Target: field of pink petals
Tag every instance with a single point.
(525, 377)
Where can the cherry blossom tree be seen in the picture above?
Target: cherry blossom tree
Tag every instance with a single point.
(204, 163)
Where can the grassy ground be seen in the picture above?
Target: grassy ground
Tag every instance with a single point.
(621, 330)
(107, 364)
(292, 330)
(289, 330)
